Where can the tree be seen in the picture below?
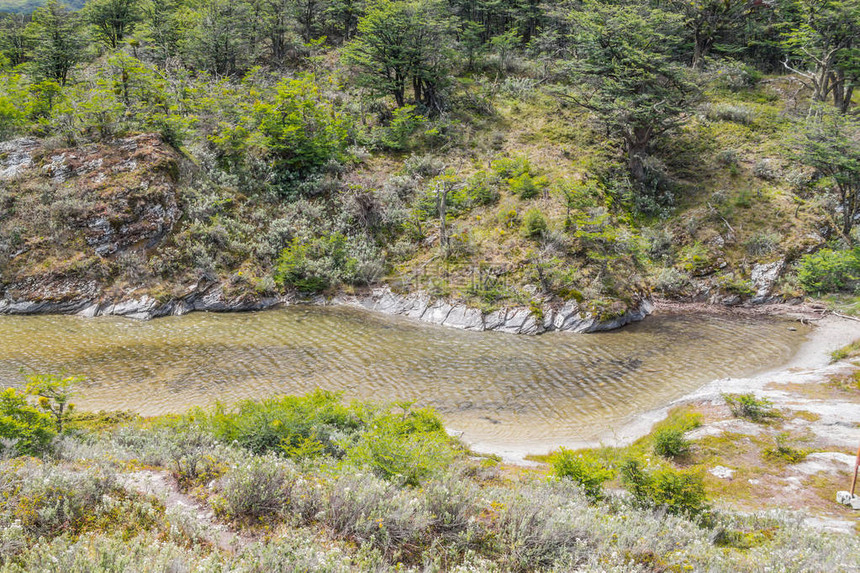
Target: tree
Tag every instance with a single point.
(14, 43)
(344, 16)
(161, 28)
(301, 129)
(307, 13)
(112, 20)
(295, 129)
(219, 42)
(631, 84)
(824, 50)
(472, 43)
(401, 42)
(706, 20)
(54, 394)
(277, 24)
(56, 39)
(830, 143)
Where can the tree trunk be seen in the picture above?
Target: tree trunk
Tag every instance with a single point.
(637, 166)
(442, 199)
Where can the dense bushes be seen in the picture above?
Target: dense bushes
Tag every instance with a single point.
(46, 500)
(26, 429)
(586, 470)
(290, 425)
(258, 490)
(316, 264)
(749, 407)
(335, 515)
(670, 442)
(408, 446)
(830, 271)
(404, 445)
(680, 492)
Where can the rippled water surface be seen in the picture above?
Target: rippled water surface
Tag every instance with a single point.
(499, 389)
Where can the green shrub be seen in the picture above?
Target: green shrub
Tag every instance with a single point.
(302, 130)
(54, 394)
(297, 426)
(848, 351)
(510, 168)
(534, 225)
(488, 288)
(527, 187)
(783, 451)
(750, 407)
(670, 443)
(735, 285)
(481, 189)
(406, 447)
(680, 492)
(28, 430)
(585, 469)
(695, 258)
(395, 136)
(316, 264)
(830, 271)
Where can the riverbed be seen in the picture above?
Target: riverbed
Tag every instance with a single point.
(497, 389)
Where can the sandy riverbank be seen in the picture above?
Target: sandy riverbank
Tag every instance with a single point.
(811, 363)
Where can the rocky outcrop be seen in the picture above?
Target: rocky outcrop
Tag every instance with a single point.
(67, 214)
(568, 317)
(78, 224)
(418, 306)
(764, 277)
(145, 307)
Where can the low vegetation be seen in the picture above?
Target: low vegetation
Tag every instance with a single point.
(315, 484)
(748, 406)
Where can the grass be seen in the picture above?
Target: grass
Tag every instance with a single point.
(846, 352)
(847, 383)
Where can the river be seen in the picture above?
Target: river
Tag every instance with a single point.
(498, 389)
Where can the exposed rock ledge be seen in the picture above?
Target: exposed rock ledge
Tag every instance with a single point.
(418, 306)
(519, 320)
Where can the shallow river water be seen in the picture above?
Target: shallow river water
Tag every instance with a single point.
(499, 389)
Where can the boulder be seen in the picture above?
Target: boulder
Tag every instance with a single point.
(764, 277)
(722, 472)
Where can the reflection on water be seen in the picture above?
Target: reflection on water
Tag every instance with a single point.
(497, 388)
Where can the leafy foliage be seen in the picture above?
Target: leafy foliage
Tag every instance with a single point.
(635, 89)
(670, 443)
(315, 265)
(28, 430)
(282, 425)
(586, 470)
(830, 271)
(409, 446)
(830, 143)
(680, 492)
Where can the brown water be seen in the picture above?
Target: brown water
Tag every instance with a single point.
(499, 389)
